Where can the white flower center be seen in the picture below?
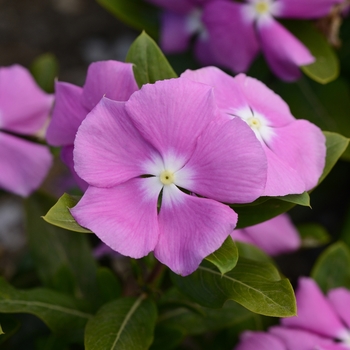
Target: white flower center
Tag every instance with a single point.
(195, 25)
(345, 338)
(262, 7)
(167, 177)
(254, 123)
(261, 10)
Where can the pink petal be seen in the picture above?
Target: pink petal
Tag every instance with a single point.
(228, 164)
(24, 107)
(232, 36)
(178, 6)
(112, 79)
(315, 313)
(241, 236)
(275, 236)
(123, 217)
(171, 114)
(67, 115)
(283, 52)
(340, 300)
(190, 229)
(108, 148)
(23, 164)
(302, 146)
(306, 9)
(259, 341)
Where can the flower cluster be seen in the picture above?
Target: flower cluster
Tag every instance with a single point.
(162, 163)
(24, 109)
(231, 33)
(323, 322)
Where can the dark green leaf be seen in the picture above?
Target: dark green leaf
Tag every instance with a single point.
(124, 324)
(108, 285)
(59, 215)
(149, 62)
(8, 326)
(58, 311)
(252, 252)
(45, 70)
(332, 268)
(255, 285)
(135, 13)
(326, 67)
(313, 235)
(226, 257)
(300, 199)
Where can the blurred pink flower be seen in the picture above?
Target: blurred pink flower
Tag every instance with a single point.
(24, 109)
(142, 154)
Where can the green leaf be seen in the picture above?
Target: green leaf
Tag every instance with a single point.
(60, 312)
(252, 252)
(226, 257)
(150, 65)
(300, 199)
(8, 327)
(108, 285)
(135, 13)
(59, 215)
(326, 67)
(63, 259)
(123, 324)
(45, 70)
(313, 235)
(255, 285)
(332, 268)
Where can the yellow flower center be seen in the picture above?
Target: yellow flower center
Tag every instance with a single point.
(254, 123)
(167, 177)
(262, 7)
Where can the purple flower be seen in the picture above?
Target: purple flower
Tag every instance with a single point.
(323, 323)
(112, 79)
(295, 149)
(275, 236)
(24, 109)
(169, 147)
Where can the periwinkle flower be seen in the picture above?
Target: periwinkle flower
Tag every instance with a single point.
(160, 166)
(112, 79)
(24, 109)
(295, 149)
(323, 323)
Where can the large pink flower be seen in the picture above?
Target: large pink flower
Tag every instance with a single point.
(112, 79)
(24, 109)
(322, 323)
(295, 149)
(169, 147)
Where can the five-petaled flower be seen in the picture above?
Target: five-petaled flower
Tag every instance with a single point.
(160, 168)
(24, 109)
(323, 323)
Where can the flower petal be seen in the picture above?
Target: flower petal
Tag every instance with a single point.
(178, 6)
(67, 115)
(171, 114)
(305, 9)
(283, 52)
(275, 236)
(108, 148)
(23, 164)
(112, 79)
(190, 229)
(228, 164)
(24, 107)
(259, 340)
(302, 146)
(232, 36)
(123, 217)
(340, 300)
(315, 313)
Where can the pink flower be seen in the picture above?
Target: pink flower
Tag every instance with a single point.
(295, 149)
(274, 236)
(167, 147)
(24, 109)
(112, 79)
(323, 323)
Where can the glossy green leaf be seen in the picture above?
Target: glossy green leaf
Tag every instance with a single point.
(313, 235)
(255, 285)
(123, 324)
(332, 268)
(45, 71)
(326, 67)
(59, 215)
(226, 257)
(135, 13)
(149, 62)
(60, 312)
(300, 199)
